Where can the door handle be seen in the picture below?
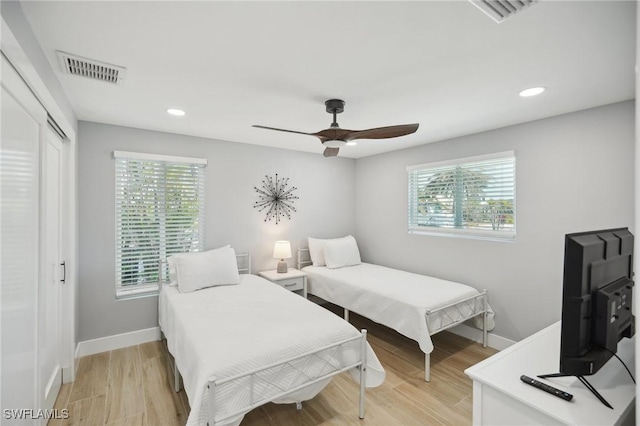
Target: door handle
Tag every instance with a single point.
(64, 271)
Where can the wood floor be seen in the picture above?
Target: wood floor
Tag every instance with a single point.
(133, 386)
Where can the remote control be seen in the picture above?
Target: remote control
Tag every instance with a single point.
(550, 389)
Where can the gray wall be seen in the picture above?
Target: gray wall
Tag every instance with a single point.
(326, 208)
(575, 172)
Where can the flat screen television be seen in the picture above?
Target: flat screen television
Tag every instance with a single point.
(596, 300)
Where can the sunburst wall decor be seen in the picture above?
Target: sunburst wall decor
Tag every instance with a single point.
(276, 197)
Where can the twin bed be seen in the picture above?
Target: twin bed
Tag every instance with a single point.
(417, 306)
(240, 341)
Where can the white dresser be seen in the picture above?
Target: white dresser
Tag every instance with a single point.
(500, 398)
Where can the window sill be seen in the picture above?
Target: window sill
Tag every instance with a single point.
(503, 237)
(150, 290)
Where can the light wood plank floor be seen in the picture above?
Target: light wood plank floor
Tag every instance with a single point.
(133, 386)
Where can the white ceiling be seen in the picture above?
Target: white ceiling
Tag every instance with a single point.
(444, 65)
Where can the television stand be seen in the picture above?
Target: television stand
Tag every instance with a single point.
(584, 382)
(500, 397)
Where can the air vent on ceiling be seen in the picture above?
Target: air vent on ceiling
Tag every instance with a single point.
(499, 10)
(96, 70)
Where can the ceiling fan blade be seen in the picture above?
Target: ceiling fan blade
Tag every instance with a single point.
(383, 132)
(333, 133)
(330, 152)
(283, 130)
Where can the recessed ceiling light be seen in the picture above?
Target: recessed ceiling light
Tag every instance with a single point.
(533, 91)
(176, 112)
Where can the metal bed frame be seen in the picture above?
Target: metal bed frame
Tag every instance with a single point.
(331, 355)
(476, 305)
(261, 381)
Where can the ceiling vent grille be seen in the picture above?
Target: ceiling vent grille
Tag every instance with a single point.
(499, 10)
(89, 68)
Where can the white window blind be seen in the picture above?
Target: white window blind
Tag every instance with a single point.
(472, 197)
(160, 210)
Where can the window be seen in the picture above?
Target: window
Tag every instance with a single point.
(471, 197)
(160, 207)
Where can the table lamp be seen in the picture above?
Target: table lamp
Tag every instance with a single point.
(282, 251)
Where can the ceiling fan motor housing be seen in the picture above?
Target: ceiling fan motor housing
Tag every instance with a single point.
(334, 106)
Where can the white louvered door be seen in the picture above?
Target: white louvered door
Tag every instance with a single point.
(24, 121)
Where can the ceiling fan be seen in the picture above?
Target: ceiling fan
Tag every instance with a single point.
(334, 137)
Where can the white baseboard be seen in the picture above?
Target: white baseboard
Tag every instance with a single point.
(472, 333)
(68, 375)
(110, 343)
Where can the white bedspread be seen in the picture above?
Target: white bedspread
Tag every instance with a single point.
(223, 331)
(395, 298)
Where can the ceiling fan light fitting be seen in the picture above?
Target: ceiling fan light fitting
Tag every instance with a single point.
(334, 143)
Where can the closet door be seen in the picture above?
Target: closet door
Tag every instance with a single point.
(53, 270)
(23, 125)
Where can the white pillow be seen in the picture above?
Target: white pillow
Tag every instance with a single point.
(316, 251)
(173, 275)
(207, 269)
(341, 252)
(171, 261)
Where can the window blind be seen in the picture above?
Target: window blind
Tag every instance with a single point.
(473, 197)
(160, 210)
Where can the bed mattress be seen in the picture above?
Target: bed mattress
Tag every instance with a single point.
(222, 331)
(395, 298)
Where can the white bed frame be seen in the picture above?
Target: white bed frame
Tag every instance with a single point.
(447, 321)
(330, 354)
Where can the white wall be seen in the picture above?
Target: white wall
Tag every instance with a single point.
(325, 208)
(575, 172)
(14, 17)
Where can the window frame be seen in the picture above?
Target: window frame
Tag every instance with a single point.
(482, 234)
(162, 162)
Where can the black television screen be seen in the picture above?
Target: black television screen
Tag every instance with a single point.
(596, 298)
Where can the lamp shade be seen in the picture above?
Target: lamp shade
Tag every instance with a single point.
(282, 250)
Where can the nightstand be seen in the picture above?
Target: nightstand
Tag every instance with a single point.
(292, 280)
